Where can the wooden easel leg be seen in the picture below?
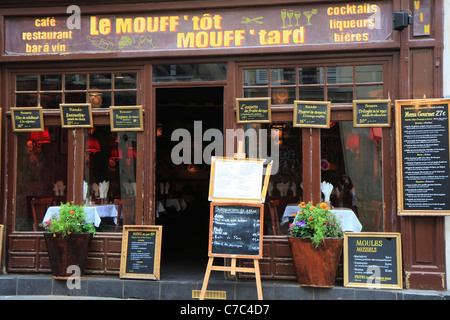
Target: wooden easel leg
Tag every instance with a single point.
(206, 279)
(258, 279)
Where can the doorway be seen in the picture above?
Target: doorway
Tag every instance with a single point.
(182, 175)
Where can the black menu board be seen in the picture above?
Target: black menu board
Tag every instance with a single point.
(76, 115)
(27, 119)
(312, 114)
(236, 230)
(373, 260)
(423, 157)
(371, 113)
(253, 110)
(141, 251)
(129, 118)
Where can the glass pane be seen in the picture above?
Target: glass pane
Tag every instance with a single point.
(110, 175)
(100, 81)
(27, 83)
(369, 73)
(41, 163)
(26, 100)
(125, 81)
(125, 98)
(285, 183)
(100, 99)
(258, 77)
(283, 95)
(256, 93)
(312, 93)
(337, 75)
(75, 81)
(282, 77)
(340, 94)
(75, 97)
(351, 157)
(369, 92)
(314, 75)
(51, 82)
(190, 72)
(51, 100)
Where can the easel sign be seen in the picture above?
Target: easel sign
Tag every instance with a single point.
(234, 180)
(141, 252)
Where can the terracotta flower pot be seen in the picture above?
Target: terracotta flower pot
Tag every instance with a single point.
(67, 251)
(316, 267)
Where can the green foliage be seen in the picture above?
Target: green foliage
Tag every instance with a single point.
(71, 219)
(315, 222)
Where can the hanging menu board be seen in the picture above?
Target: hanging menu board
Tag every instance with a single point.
(423, 157)
(373, 260)
(312, 114)
(253, 110)
(129, 118)
(27, 119)
(372, 113)
(236, 230)
(76, 115)
(141, 252)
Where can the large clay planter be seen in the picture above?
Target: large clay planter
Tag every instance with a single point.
(316, 267)
(67, 251)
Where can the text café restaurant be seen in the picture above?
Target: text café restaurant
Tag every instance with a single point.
(186, 64)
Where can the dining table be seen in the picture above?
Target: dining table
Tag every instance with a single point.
(94, 213)
(349, 220)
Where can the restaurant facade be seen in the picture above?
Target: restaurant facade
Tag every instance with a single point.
(184, 64)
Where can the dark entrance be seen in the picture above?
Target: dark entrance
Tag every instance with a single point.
(182, 172)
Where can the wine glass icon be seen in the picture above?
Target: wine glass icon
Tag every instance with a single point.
(290, 13)
(309, 14)
(283, 16)
(297, 15)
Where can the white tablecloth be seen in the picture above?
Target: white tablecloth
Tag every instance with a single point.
(93, 213)
(349, 221)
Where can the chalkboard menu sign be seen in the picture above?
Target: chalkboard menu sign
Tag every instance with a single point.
(236, 230)
(141, 252)
(76, 115)
(253, 110)
(312, 114)
(423, 157)
(373, 260)
(27, 119)
(372, 113)
(129, 118)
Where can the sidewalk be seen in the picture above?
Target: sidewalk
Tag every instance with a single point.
(180, 287)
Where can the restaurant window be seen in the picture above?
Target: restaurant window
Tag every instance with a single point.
(110, 176)
(102, 90)
(42, 157)
(338, 84)
(41, 174)
(351, 161)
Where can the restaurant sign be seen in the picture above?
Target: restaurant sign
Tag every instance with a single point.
(245, 28)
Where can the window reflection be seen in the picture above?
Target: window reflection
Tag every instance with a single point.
(41, 163)
(110, 174)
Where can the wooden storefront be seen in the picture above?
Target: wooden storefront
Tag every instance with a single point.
(173, 55)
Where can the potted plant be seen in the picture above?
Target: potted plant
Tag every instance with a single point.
(316, 241)
(67, 237)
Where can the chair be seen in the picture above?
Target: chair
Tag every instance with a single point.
(125, 212)
(39, 207)
(274, 216)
